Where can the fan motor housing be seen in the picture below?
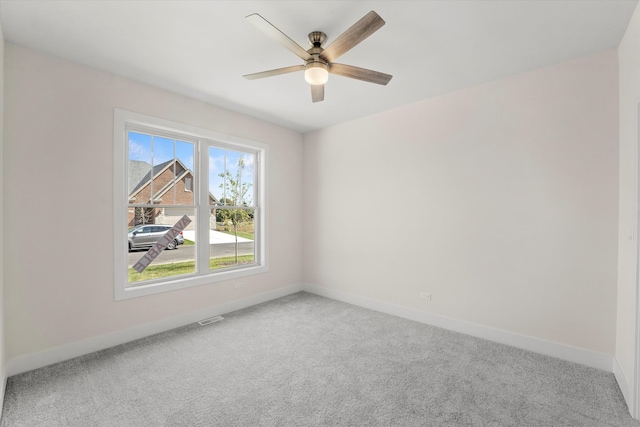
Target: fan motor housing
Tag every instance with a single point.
(317, 38)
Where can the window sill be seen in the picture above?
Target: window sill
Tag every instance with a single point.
(127, 292)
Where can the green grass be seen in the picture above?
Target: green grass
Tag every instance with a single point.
(244, 234)
(245, 230)
(187, 267)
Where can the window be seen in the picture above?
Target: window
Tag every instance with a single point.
(189, 206)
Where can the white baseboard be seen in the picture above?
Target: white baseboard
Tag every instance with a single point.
(624, 385)
(548, 348)
(3, 387)
(573, 354)
(69, 351)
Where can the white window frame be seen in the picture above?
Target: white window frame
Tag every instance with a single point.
(203, 276)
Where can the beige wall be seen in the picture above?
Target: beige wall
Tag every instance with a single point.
(629, 64)
(58, 145)
(500, 200)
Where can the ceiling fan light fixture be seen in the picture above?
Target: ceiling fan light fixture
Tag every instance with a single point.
(319, 61)
(316, 73)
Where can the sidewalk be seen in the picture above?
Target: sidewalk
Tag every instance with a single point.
(215, 237)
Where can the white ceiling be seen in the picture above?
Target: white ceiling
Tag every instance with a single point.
(202, 48)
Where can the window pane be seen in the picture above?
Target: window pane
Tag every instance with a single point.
(231, 176)
(161, 174)
(216, 171)
(139, 167)
(163, 150)
(159, 250)
(185, 188)
(232, 238)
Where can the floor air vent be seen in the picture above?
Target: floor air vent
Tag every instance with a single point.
(211, 320)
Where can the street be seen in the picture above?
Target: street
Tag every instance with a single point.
(187, 253)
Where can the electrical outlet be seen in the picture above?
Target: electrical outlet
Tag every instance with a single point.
(239, 285)
(425, 295)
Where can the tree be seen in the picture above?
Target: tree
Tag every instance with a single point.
(235, 194)
(144, 216)
(220, 216)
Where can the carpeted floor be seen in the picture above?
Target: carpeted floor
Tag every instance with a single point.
(305, 360)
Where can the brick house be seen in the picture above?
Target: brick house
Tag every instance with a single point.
(171, 183)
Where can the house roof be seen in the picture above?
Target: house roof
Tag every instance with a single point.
(141, 173)
(137, 172)
(148, 173)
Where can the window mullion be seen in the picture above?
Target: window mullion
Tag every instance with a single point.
(175, 170)
(202, 187)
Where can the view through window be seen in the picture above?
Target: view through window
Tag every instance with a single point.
(159, 170)
(192, 207)
(233, 213)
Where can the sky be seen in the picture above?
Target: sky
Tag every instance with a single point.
(156, 150)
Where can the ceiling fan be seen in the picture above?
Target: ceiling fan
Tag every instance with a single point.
(318, 61)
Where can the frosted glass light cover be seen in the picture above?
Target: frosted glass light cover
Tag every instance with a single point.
(316, 74)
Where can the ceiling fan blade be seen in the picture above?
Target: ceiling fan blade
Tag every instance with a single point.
(359, 31)
(270, 30)
(360, 73)
(317, 93)
(275, 72)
